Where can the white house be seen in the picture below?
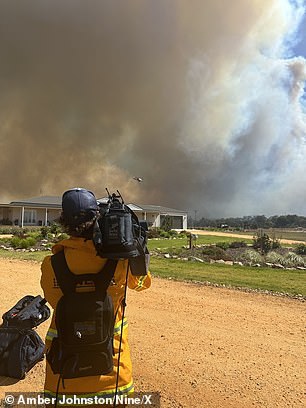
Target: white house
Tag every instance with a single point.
(46, 209)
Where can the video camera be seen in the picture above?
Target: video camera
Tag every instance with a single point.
(118, 234)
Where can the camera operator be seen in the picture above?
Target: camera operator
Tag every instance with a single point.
(79, 215)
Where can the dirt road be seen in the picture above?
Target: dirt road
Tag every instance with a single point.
(198, 346)
(242, 236)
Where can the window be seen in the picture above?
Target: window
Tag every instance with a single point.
(29, 217)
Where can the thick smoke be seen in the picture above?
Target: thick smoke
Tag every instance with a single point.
(201, 99)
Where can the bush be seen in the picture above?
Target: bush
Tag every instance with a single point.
(301, 249)
(156, 232)
(237, 244)
(214, 252)
(275, 244)
(164, 234)
(262, 243)
(23, 243)
(223, 245)
(274, 257)
(44, 231)
(56, 229)
(61, 237)
(293, 260)
(251, 257)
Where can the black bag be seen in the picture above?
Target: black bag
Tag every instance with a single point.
(20, 346)
(29, 312)
(20, 350)
(84, 321)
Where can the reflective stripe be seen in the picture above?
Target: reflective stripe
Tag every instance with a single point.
(118, 325)
(123, 390)
(141, 282)
(52, 333)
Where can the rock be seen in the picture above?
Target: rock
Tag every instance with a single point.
(278, 266)
(167, 256)
(196, 259)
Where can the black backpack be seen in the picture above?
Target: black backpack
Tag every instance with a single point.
(84, 321)
(20, 346)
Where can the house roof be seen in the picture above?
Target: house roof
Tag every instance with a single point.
(148, 208)
(155, 209)
(42, 201)
(56, 202)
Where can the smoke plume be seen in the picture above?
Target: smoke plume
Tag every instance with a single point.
(202, 99)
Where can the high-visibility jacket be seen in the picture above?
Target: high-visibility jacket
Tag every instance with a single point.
(81, 258)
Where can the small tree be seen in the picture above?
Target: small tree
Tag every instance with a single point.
(262, 243)
(301, 249)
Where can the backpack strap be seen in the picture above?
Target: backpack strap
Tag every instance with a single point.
(67, 280)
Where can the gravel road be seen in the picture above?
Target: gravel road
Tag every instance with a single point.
(198, 346)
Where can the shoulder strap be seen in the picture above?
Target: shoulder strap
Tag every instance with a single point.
(68, 280)
(64, 276)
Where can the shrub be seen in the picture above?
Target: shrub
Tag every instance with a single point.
(275, 244)
(20, 233)
(56, 228)
(60, 237)
(262, 242)
(153, 233)
(24, 243)
(251, 257)
(15, 242)
(223, 245)
(214, 252)
(164, 234)
(274, 257)
(237, 244)
(44, 231)
(293, 260)
(301, 249)
(28, 242)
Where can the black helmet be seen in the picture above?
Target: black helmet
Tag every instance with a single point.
(79, 206)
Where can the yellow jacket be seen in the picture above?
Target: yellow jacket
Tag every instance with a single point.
(81, 258)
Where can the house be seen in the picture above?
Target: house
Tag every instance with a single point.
(45, 210)
(32, 211)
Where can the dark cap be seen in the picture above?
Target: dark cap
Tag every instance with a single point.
(79, 205)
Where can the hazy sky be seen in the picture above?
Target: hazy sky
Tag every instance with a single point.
(203, 99)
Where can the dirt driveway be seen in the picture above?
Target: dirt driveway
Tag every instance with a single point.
(198, 346)
(233, 235)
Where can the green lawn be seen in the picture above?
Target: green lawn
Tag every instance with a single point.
(28, 256)
(201, 240)
(276, 280)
